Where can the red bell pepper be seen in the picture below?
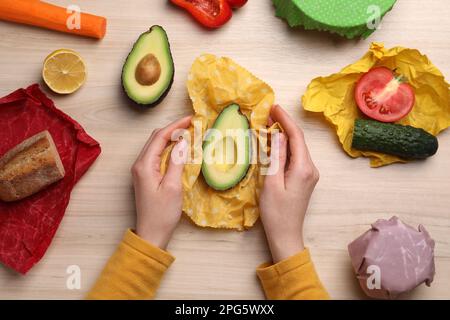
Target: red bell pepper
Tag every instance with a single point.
(210, 13)
(237, 3)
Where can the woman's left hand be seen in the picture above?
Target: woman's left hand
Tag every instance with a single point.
(159, 198)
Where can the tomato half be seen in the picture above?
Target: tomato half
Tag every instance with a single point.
(210, 13)
(383, 96)
(237, 3)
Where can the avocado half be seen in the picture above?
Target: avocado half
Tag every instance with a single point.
(148, 71)
(227, 150)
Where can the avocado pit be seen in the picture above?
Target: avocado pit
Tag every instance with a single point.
(148, 71)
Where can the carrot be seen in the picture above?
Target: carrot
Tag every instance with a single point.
(45, 15)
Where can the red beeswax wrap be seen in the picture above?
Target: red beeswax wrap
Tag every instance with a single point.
(28, 226)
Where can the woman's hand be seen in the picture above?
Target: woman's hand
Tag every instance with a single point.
(285, 195)
(159, 198)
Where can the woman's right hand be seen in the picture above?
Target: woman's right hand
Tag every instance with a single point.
(286, 193)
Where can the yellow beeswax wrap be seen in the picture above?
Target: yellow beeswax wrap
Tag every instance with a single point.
(213, 84)
(333, 95)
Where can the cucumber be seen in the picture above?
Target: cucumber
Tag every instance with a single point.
(403, 141)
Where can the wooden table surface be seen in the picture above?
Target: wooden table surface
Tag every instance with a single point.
(221, 264)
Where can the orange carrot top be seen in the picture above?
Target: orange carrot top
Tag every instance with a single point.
(45, 15)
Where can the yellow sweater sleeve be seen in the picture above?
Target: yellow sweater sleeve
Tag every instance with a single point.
(133, 272)
(292, 279)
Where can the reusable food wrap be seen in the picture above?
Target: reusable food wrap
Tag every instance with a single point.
(348, 18)
(213, 84)
(27, 226)
(333, 96)
(401, 256)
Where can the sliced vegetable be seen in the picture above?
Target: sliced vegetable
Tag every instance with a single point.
(383, 96)
(210, 13)
(237, 3)
(403, 141)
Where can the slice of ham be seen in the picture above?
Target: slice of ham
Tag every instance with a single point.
(27, 227)
(400, 255)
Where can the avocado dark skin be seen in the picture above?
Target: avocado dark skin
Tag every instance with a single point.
(170, 74)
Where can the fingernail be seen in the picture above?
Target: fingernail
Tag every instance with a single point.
(279, 137)
(183, 148)
(179, 152)
(182, 144)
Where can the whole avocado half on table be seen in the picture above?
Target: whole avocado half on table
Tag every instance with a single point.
(148, 71)
(226, 150)
(395, 139)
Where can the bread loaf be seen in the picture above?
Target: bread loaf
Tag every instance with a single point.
(29, 167)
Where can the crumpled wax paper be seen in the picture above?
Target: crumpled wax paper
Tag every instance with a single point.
(213, 84)
(27, 226)
(333, 96)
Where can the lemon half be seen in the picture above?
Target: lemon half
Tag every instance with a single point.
(64, 71)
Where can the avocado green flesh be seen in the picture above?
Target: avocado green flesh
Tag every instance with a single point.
(403, 141)
(154, 42)
(226, 150)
